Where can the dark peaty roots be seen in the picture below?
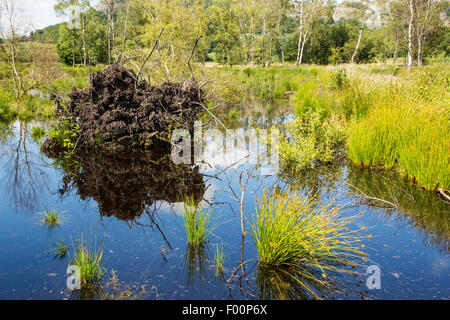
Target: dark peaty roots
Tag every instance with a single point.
(113, 109)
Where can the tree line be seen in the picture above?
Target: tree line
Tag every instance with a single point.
(254, 32)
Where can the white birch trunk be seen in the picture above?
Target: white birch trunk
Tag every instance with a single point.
(358, 43)
(410, 31)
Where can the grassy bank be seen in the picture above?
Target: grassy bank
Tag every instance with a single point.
(39, 83)
(382, 115)
(408, 129)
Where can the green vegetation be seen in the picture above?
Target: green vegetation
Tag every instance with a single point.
(51, 218)
(60, 249)
(64, 132)
(291, 231)
(37, 133)
(288, 229)
(394, 121)
(197, 223)
(310, 142)
(88, 258)
(25, 107)
(49, 34)
(234, 32)
(219, 258)
(407, 128)
(6, 108)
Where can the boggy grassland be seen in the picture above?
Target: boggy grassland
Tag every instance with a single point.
(379, 116)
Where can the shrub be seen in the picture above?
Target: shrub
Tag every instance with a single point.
(309, 142)
(336, 57)
(338, 80)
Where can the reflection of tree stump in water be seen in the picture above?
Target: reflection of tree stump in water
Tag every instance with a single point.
(125, 183)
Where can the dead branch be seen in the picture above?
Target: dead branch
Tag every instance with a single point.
(192, 54)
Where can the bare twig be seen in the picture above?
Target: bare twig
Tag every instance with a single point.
(148, 57)
(130, 58)
(372, 199)
(243, 189)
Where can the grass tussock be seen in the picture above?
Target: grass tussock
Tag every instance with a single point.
(51, 218)
(197, 223)
(60, 249)
(37, 133)
(88, 258)
(219, 258)
(292, 231)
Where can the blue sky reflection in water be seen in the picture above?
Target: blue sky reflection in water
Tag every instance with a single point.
(132, 201)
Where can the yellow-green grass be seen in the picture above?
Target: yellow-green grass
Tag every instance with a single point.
(219, 258)
(60, 249)
(304, 234)
(197, 223)
(290, 229)
(24, 107)
(408, 128)
(88, 258)
(273, 83)
(51, 218)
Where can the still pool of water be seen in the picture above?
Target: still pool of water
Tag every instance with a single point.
(131, 201)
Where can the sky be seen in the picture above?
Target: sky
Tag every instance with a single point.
(39, 13)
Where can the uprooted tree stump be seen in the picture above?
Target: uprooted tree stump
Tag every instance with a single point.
(118, 110)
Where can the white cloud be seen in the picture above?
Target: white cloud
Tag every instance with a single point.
(39, 14)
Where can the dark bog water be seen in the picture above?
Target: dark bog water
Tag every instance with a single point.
(131, 200)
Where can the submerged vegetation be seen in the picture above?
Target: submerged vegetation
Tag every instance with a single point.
(219, 258)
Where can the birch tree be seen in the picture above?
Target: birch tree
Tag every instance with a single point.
(110, 11)
(75, 10)
(427, 16)
(11, 29)
(362, 13)
(307, 12)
